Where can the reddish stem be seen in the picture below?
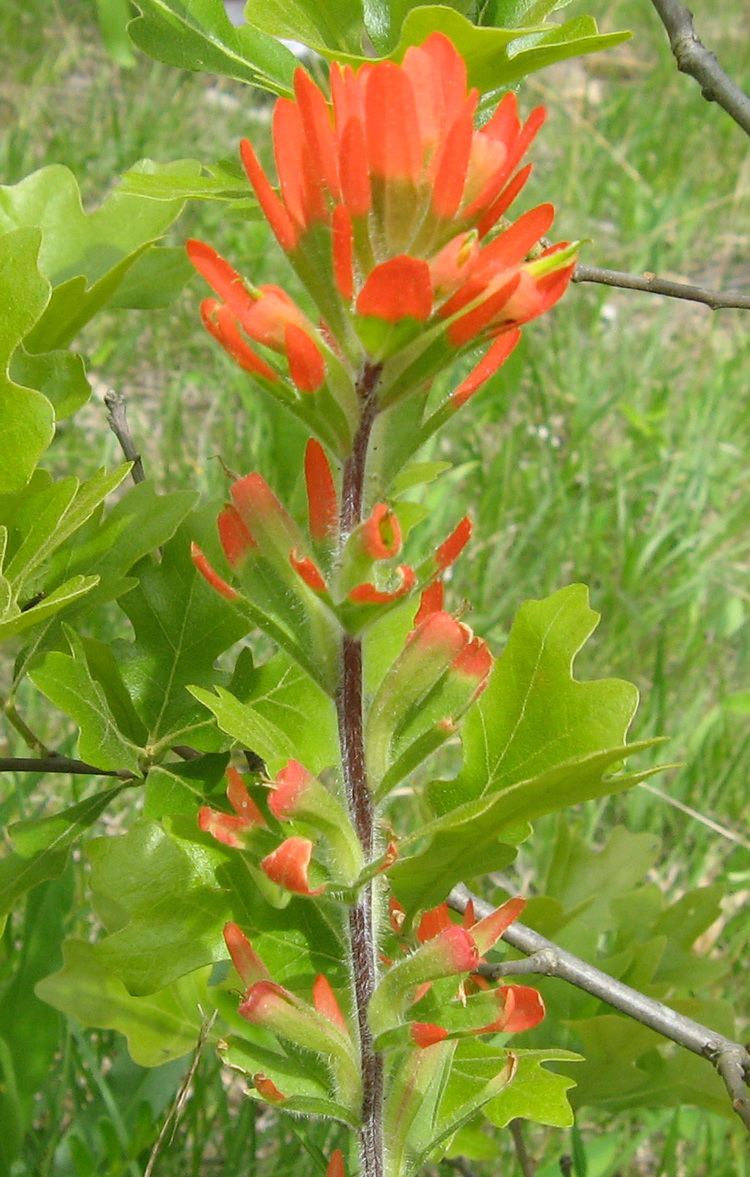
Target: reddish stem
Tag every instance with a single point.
(351, 737)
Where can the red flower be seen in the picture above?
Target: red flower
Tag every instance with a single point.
(386, 199)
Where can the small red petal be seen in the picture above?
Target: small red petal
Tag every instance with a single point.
(488, 931)
(523, 1010)
(297, 178)
(289, 786)
(424, 1034)
(252, 496)
(355, 178)
(504, 200)
(306, 365)
(512, 246)
(397, 289)
(224, 827)
(262, 1000)
(322, 503)
(222, 325)
(268, 1089)
(451, 548)
(469, 916)
(220, 276)
(318, 129)
(211, 575)
(342, 242)
(336, 1165)
(288, 865)
(430, 602)
(475, 322)
(326, 1002)
(273, 207)
(450, 174)
(504, 123)
(458, 949)
(381, 533)
(474, 661)
(433, 922)
(235, 537)
(493, 359)
(244, 957)
(393, 147)
(308, 570)
(368, 594)
(241, 801)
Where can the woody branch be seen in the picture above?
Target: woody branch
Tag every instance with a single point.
(731, 1059)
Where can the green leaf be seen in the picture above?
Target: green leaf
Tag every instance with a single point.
(421, 881)
(26, 416)
(68, 682)
(154, 280)
(43, 846)
(37, 935)
(417, 474)
(283, 715)
(535, 1094)
(137, 525)
(113, 16)
(534, 715)
(59, 375)
(54, 602)
(328, 24)
(45, 518)
(84, 255)
(189, 179)
(496, 58)
(158, 1027)
(167, 913)
(181, 626)
(182, 788)
(198, 35)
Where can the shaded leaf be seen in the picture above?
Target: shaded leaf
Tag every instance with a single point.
(283, 715)
(43, 845)
(26, 416)
(166, 918)
(198, 35)
(181, 626)
(68, 682)
(158, 1027)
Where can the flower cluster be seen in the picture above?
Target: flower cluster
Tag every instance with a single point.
(388, 207)
(305, 587)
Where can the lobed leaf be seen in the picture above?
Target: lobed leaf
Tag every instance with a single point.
(198, 35)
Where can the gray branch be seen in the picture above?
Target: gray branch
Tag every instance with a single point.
(694, 59)
(731, 1059)
(118, 422)
(715, 299)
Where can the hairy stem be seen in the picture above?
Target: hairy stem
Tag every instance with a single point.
(351, 737)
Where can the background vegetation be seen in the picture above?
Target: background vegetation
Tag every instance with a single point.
(611, 450)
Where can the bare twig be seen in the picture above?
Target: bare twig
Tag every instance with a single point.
(731, 1059)
(526, 1163)
(693, 58)
(118, 423)
(60, 764)
(715, 299)
(181, 1097)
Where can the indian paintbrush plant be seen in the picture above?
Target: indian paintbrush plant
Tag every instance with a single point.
(390, 206)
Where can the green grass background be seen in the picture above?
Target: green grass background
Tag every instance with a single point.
(612, 450)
